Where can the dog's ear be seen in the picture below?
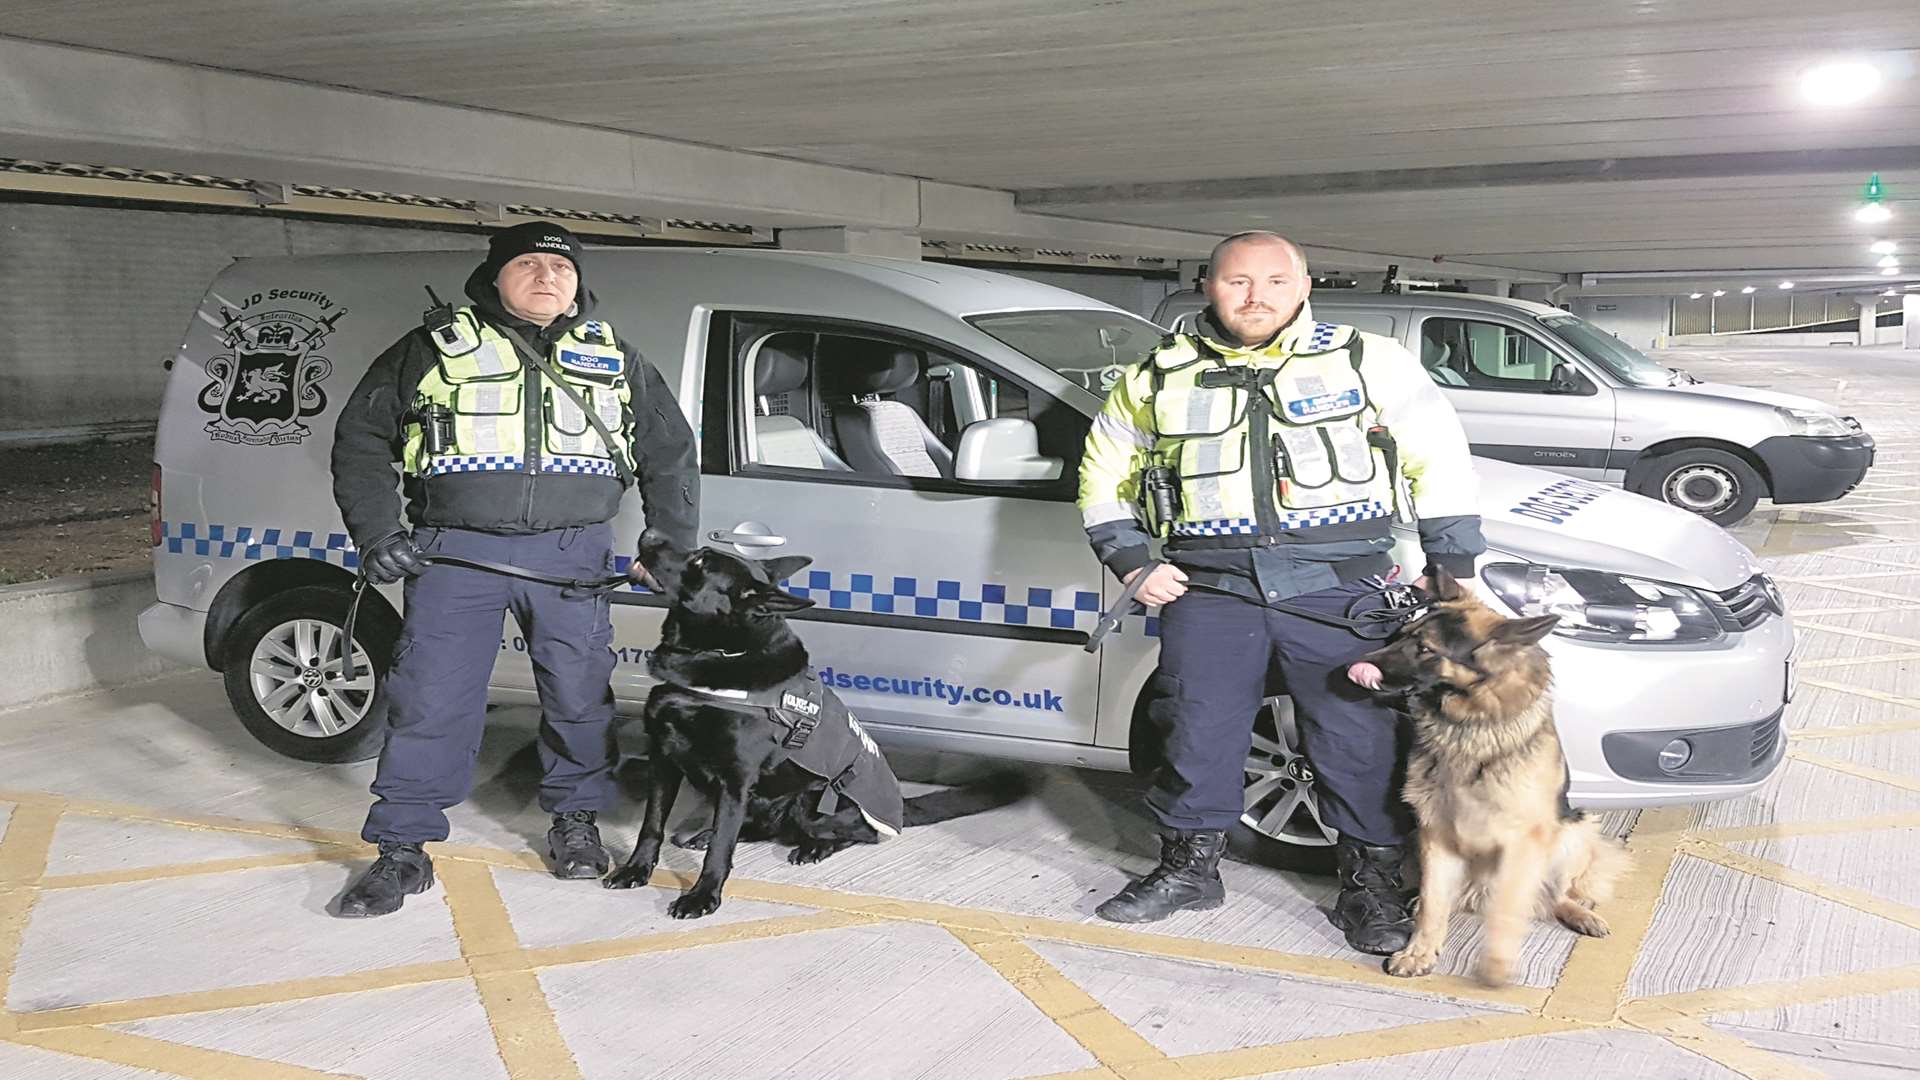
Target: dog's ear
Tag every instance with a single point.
(1525, 631)
(771, 601)
(784, 567)
(1445, 588)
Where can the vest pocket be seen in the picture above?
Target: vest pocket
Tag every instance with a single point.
(568, 429)
(1353, 460)
(1198, 459)
(1194, 412)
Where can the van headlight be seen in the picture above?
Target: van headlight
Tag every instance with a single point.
(1597, 606)
(1817, 424)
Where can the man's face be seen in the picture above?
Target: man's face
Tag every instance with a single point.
(538, 287)
(1256, 288)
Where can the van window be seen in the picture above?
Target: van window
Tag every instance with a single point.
(1475, 355)
(1625, 362)
(1088, 347)
(1373, 322)
(851, 404)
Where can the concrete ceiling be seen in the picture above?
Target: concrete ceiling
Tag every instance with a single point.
(1563, 136)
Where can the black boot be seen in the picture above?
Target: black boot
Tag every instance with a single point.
(399, 872)
(574, 844)
(1375, 908)
(1187, 879)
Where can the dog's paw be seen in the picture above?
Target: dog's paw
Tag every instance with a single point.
(1494, 972)
(628, 877)
(1411, 963)
(1580, 920)
(693, 841)
(694, 905)
(812, 852)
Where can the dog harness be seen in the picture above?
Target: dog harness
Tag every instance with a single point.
(822, 737)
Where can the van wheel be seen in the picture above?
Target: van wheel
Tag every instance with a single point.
(283, 674)
(1712, 483)
(1281, 826)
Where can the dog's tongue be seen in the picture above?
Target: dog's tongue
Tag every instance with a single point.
(1365, 674)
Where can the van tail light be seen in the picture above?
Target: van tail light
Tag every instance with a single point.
(154, 528)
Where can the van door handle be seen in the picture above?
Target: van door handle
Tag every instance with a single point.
(747, 539)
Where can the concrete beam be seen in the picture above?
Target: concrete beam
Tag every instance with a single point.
(1517, 174)
(890, 243)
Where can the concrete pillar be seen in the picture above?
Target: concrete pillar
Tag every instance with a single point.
(840, 240)
(1539, 294)
(1910, 312)
(1190, 271)
(1869, 316)
(1368, 283)
(1490, 286)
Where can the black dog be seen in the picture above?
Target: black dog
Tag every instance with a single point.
(738, 712)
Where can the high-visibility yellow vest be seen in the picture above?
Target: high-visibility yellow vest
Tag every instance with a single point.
(482, 381)
(1302, 426)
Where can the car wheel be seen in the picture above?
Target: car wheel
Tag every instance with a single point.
(283, 670)
(1712, 483)
(1281, 826)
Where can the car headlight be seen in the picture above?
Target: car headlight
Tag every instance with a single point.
(1808, 422)
(1597, 606)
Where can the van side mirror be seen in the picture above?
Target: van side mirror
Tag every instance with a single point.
(1004, 448)
(1568, 379)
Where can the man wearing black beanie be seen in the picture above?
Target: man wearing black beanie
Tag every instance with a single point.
(518, 424)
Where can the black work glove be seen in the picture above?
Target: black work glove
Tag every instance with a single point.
(391, 558)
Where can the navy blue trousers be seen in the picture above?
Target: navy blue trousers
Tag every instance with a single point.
(437, 686)
(1215, 651)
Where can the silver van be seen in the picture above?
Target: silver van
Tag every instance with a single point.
(1537, 385)
(916, 429)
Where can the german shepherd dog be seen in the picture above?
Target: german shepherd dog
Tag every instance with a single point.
(1487, 782)
(726, 632)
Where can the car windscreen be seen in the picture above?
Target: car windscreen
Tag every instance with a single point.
(1087, 346)
(1622, 360)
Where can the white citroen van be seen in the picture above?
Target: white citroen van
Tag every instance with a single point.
(916, 429)
(1540, 386)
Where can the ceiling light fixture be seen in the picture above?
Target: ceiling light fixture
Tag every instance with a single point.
(1890, 271)
(1746, 289)
(1883, 247)
(1888, 260)
(1719, 292)
(1694, 296)
(1840, 82)
(1872, 214)
(1786, 284)
(1873, 209)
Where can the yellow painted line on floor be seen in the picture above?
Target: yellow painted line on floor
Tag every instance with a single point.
(1783, 994)
(1864, 772)
(524, 1026)
(1865, 635)
(180, 870)
(1857, 899)
(176, 1059)
(1101, 935)
(1854, 731)
(273, 993)
(1781, 830)
(1359, 1046)
(1807, 613)
(1743, 1058)
(1862, 691)
(23, 859)
(1594, 982)
(127, 812)
(1816, 579)
(724, 934)
(1112, 1043)
(1854, 661)
(1851, 590)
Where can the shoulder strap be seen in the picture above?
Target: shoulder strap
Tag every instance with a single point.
(539, 363)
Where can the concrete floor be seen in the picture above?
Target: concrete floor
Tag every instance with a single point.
(164, 880)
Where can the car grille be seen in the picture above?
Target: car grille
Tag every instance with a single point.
(1765, 734)
(1747, 605)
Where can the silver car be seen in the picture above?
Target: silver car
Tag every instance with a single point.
(915, 428)
(1537, 385)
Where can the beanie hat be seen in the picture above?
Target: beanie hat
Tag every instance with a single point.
(533, 236)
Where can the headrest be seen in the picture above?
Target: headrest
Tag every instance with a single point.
(780, 365)
(882, 371)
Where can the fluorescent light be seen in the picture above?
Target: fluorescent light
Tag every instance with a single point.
(1746, 289)
(1694, 296)
(1888, 260)
(1786, 284)
(1890, 271)
(1872, 214)
(1840, 82)
(1719, 292)
(1890, 292)
(1883, 247)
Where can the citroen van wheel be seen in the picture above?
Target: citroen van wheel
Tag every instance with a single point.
(1712, 483)
(1281, 825)
(283, 674)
